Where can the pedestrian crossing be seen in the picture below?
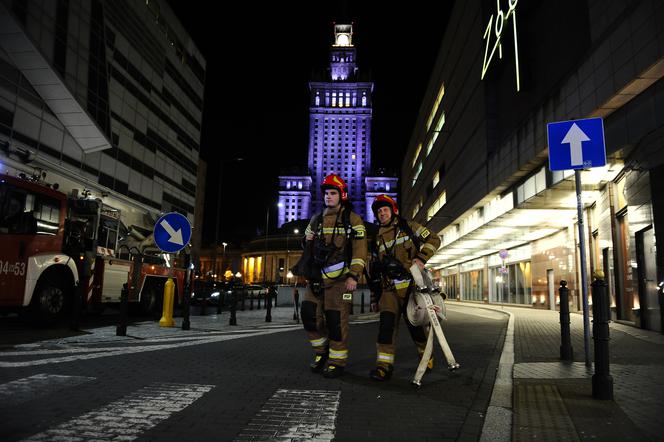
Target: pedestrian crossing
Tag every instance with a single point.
(26, 389)
(287, 414)
(27, 356)
(124, 419)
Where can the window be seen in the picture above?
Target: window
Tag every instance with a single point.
(436, 179)
(437, 205)
(417, 153)
(25, 213)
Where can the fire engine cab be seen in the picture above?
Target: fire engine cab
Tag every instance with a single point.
(53, 247)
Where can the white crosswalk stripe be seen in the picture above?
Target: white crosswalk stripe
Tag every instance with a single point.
(74, 354)
(127, 418)
(295, 415)
(27, 389)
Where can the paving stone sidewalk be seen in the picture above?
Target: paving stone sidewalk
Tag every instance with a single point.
(552, 400)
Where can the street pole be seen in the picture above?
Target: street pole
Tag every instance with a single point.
(582, 246)
(267, 224)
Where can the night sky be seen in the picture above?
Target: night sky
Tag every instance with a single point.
(260, 58)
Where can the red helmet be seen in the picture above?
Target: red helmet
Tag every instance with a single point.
(384, 201)
(334, 181)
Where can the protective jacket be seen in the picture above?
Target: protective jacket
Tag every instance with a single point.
(397, 242)
(340, 243)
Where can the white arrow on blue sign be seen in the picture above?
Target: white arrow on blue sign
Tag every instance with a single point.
(172, 232)
(576, 144)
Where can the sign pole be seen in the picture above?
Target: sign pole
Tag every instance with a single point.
(584, 286)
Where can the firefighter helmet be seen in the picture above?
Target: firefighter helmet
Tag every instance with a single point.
(334, 181)
(384, 201)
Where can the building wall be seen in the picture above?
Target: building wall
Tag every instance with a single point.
(133, 68)
(608, 63)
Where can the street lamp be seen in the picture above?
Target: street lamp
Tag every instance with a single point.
(223, 257)
(216, 230)
(295, 231)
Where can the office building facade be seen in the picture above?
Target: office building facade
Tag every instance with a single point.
(477, 167)
(107, 98)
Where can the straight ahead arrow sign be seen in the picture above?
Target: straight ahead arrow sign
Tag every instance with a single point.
(175, 237)
(575, 138)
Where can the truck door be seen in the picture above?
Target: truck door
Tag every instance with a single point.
(29, 224)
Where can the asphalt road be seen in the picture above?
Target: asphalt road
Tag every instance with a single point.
(247, 383)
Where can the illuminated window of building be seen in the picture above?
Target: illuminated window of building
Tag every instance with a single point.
(417, 153)
(347, 100)
(436, 103)
(436, 179)
(437, 205)
(334, 99)
(387, 187)
(417, 173)
(364, 98)
(436, 132)
(299, 184)
(317, 99)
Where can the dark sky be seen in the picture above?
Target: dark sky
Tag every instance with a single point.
(260, 57)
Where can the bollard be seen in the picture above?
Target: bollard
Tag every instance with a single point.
(566, 350)
(660, 296)
(186, 294)
(243, 296)
(259, 302)
(167, 312)
(602, 380)
(220, 298)
(296, 306)
(121, 329)
(362, 305)
(268, 305)
(233, 307)
(251, 303)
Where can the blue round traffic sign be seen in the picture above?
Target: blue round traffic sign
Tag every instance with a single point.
(172, 232)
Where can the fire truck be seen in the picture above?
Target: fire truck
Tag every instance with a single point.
(55, 249)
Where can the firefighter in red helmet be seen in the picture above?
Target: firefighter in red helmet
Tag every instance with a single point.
(338, 242)
(399, 244)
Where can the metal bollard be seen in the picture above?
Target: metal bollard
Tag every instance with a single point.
(566, 350)
(296, 306)
(362, 305)
(660, 296)
(121, 329)
(602, 380)
(233, 318)
(268, 305)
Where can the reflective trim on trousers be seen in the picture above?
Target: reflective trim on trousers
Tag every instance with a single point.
(318, 342)
(339, 354)
(386, 358)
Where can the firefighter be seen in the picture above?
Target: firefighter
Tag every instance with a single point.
(400, 244)
(339, 243)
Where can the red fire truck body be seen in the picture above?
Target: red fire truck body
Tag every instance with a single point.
(50, 248)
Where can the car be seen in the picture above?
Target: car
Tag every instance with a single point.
(209, 292)
(254, 291)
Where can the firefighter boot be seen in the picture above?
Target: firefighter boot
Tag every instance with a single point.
(381, 373)
(333, 371)
(318, 363)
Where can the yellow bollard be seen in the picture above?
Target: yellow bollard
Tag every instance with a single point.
(167, 313)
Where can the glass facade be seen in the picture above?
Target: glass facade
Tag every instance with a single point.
(511, 284)
(471, 285)
(124, 65)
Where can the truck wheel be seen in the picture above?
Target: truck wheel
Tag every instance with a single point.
(49, 302)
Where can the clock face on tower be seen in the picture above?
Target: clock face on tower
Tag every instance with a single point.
(343, 40)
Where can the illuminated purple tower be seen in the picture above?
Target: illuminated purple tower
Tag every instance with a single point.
(339, 137)
(340, 123)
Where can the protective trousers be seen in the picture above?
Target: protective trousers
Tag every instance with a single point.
(325, 320)
(392, 305)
